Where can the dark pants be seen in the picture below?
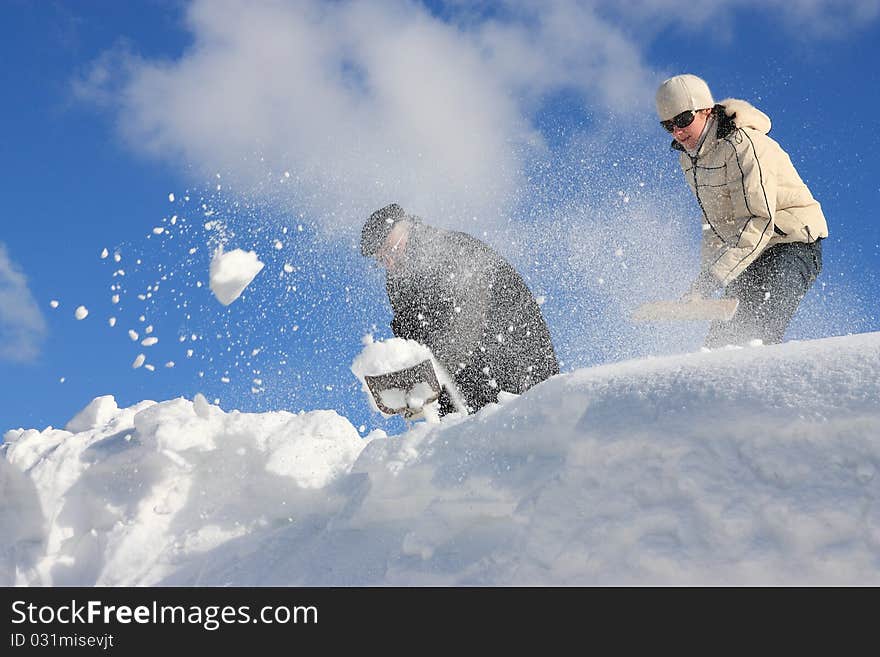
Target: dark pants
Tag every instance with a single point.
(769, 292)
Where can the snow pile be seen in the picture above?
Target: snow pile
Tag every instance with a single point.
(232, 272)
(21, 523)
(132, 495)
(737, 466)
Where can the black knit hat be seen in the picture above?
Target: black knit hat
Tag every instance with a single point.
(378, 226)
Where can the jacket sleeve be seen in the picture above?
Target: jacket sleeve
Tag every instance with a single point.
(752, 184)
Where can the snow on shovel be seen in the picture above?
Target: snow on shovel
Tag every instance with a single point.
(405, 392)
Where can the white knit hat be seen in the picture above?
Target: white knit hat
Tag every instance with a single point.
(682, 93)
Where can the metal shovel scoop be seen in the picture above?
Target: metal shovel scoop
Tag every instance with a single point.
(405, 392)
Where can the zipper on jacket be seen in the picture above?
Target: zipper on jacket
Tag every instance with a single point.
(699, 200)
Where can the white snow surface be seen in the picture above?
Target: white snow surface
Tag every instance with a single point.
(232, 272)
(736, 466)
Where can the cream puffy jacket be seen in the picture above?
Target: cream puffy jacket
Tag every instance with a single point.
(750, 193)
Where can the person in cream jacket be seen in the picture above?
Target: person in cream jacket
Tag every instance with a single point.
(762, 228)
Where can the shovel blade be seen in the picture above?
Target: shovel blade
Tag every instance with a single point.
(695, 309)
(405, 380)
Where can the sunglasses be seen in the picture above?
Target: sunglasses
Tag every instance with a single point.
(682, 120)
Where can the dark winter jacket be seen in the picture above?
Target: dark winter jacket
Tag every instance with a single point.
(457, 296)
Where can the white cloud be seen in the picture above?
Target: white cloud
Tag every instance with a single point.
(539, 47)
(366, 103)
(22, 327)
(363, 103)
(370, 102)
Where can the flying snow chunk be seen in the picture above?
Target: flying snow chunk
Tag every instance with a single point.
(81, 312)
(104, 253)
(138, 361)
(232, 272)
(149, 342)
(53, 303)
(171, 198)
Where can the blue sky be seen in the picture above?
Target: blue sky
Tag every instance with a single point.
(528, 124)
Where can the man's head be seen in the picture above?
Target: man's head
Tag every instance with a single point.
(684, 104)
(378, 226)
(385, 233)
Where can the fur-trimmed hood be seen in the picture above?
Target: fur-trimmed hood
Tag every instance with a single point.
(746, 115)
(730, 114)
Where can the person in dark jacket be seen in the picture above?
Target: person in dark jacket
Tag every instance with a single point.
(455, 295)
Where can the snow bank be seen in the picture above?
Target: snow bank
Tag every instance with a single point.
(21, 523)
(232, 272)
(132, 495)
(746, 466)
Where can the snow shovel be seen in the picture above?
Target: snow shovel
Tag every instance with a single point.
(694, 309)
(405, 392)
